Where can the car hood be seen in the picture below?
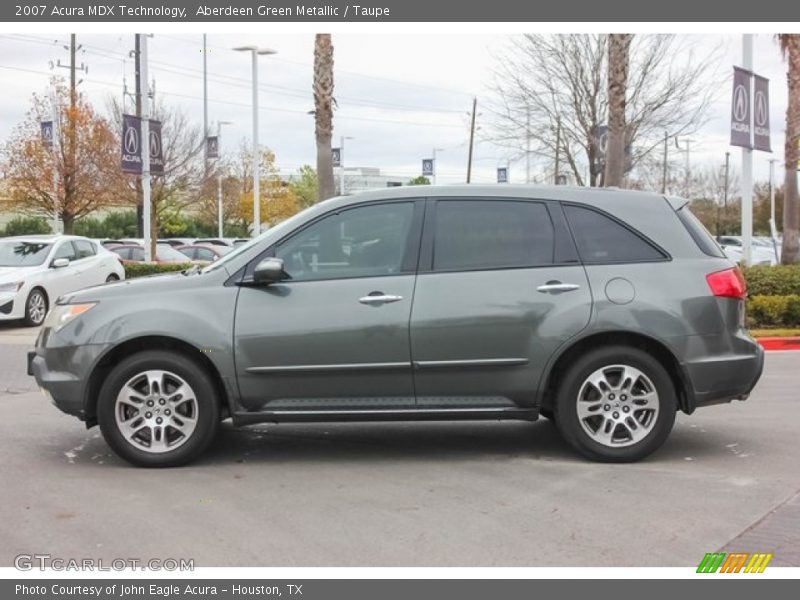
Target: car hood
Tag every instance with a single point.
(12, 274)
(132, 289)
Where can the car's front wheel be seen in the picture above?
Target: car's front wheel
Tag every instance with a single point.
(616, 404)
(35, 308)
(158, 409)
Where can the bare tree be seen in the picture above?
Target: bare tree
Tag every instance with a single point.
(323, 112)
(552, 79)
(618, 66)
(790, 252)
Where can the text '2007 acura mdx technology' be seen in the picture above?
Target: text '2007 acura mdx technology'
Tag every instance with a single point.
(604, 310)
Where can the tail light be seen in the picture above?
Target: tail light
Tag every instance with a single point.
(728, 284)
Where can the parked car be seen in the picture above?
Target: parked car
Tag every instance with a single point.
(239, 242)
(204, 254)
(134, 253)
(760, 254)
(219, 242)
(175, 242)
(605, 310)
(36, 270)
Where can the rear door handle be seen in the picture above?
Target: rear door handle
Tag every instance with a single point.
(557, 286)
(379, 299)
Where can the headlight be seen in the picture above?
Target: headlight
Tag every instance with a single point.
(63, 314)
(11, 287)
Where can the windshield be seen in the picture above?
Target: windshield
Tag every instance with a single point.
(23, 254)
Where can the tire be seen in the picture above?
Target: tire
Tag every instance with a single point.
(626, 401)
(165, 427)
(36, 306)
(547, 413)
(111, 278)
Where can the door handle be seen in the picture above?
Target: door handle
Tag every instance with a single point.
(379, 299)
(557, 286)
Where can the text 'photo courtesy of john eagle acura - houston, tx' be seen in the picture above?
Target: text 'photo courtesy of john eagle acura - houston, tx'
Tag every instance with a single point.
(603, 310)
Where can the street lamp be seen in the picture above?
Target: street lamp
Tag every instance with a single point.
(341, 162)
(435, 150)
(255, 51)
(220, 227)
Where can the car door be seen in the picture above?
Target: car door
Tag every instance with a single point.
(87, 265)
(500, 287)
(62, 280)
(336, 334)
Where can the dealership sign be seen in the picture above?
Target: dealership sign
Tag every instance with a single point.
(336, 157)
(761, 114)
(47, 133)
(427, 167)
(132, 146)
(212, 147)
(741, 108)
(502, 174)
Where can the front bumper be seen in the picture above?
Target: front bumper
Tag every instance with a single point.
(63, 372)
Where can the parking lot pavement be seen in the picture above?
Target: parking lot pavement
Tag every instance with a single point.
(425, 494)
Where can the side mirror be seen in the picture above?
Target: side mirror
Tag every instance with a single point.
(60, 263)
(269, 270)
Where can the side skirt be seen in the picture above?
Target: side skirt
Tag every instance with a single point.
(412, 414)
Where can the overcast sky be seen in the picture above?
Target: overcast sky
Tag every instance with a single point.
(399, 95)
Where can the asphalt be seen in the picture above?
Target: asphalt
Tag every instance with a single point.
(426, 494)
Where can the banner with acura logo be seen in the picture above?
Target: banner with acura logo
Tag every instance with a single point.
(131, 157)
(761, 113)
(740, 108)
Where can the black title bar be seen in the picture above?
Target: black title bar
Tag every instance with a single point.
(281, 11)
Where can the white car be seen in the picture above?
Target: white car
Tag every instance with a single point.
(36, 270)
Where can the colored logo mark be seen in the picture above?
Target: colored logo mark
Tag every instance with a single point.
(735, 562)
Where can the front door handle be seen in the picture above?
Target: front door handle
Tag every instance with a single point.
(379, 298)
(557, 286)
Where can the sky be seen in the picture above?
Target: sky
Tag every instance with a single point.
(399, 95)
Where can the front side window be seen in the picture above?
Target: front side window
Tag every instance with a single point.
(367, 241)
(491, 234)
(601, 239)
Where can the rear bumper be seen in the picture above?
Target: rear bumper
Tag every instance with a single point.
(723, 378)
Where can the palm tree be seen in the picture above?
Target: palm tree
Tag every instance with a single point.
(323, 112)
(790, 47)
(618, 67)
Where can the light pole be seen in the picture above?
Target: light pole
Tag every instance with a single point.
(255, 51)
(773, 229)
(435, 150)
(341, 162)
(220, 227)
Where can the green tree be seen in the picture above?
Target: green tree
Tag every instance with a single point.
(420, 180)
(27, 226)
(305, 187)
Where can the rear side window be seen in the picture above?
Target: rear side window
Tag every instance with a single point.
(601, 239)
(699, 233)
(478, 234)
(84, 249)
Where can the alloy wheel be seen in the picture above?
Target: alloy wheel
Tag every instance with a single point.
(617, 405)
(37, 307)
(156, 411)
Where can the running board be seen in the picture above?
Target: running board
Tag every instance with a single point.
(399, 414)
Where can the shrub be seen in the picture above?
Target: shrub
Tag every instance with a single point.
(27, 226)
(774, 311)
(116, 225)
(144, 269)
(780, 280)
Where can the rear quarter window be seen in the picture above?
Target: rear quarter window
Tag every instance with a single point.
(602, 239)
(699, 233)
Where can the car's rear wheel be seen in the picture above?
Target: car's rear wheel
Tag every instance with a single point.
(111, 278)
(616, 404)
(158, 409)
(35, 308)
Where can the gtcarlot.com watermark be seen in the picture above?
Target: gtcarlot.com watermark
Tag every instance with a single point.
(43, 562)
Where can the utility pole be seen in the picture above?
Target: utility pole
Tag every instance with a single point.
(205, 108)
(687, 168)
(55, 134)
(558, 151)
(727, 174)
(138, 79)
(747, 166)
(527, 144)
(773, 229)
(220, 222)
(435, 150)
(471, 139)
(144, 146)
(664, 168)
